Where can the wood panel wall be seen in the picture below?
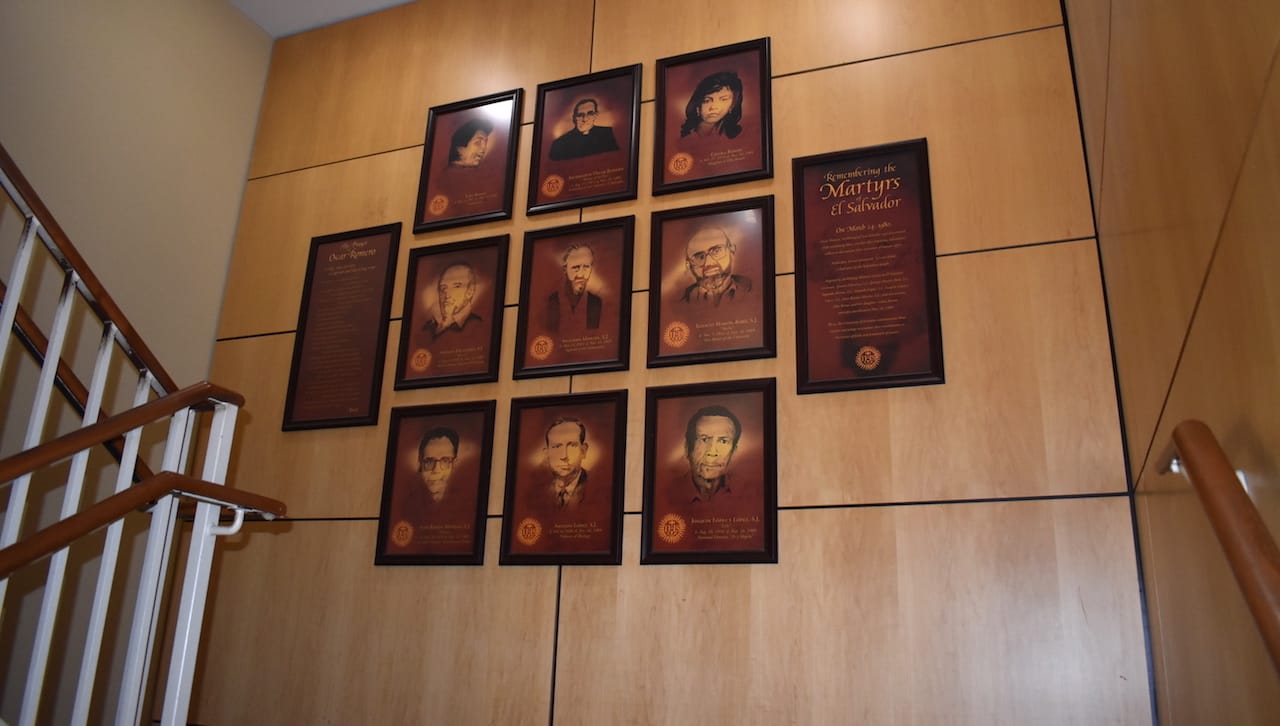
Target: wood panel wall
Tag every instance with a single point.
(959, 553)
(1184, 130)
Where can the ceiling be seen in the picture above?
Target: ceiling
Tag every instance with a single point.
(286, 17)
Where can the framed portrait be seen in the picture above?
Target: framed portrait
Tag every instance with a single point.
(435, 489)
(451, 329)
(710, 473)
(341, 341)
(469, 162)
(711, 283)
(585, 141)
(566, 463)
(575, 299)
(714, 118)
(866, 273)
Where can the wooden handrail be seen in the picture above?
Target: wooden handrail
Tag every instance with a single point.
(108, 429)
(73, 390)
(101, 302)
(1251, 551)
(63, 533)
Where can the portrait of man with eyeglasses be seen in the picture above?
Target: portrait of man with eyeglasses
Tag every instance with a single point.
(709, 258)
(585, 138)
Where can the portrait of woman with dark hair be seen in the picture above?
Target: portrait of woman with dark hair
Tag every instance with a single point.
(715, 108)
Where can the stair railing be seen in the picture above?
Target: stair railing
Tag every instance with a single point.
(155, 399)
(1246, 540)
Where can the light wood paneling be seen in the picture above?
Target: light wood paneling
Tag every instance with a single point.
(364, 86)
(1090, 26)
(338, 472)
(1210, 663)
(1028, 408)
(302, 629)
(1009, 613)
(1186, 83)
(1005, 161)
(806, 34)
(282, 213)
(1227, 376)
(280, 216)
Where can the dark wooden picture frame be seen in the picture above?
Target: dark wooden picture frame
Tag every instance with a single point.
(711, 283)
(566, 465)
(335, 376)
(586, 140)
(435, 487)
(711, 474)
(460, 344)
(867, 313)
(469, 162)
(714, 111)
(575, 299)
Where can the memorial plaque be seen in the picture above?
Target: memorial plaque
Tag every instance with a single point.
(866, 275)
(710, 473)
(713, 118)
(575, 299)
(451, 329)
(711, 283)
(435, 489)
(341, 340)
(566, 461)
(469, 162)
(586, 140)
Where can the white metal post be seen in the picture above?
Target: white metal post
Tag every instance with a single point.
(154, 563)
(39, 412)
(195, 585)
(17, 282)
(107, 569)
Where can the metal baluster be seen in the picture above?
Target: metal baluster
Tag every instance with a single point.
(195, 586)
(107, 570)
(17, 281)
(39, 412)
(154, 564)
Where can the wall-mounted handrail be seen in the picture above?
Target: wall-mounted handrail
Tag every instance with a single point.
(99, 300)
(109, 429)
(1251, 551)
(63, 533)
(72, 388)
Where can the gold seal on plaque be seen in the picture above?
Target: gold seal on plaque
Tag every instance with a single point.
(528, 531)
(868, 357)
(680, 164)
(676, 334)
(438, 204)
(552, 185)
(671, 528)
(402, 534)
(421, 360)
(541, 347)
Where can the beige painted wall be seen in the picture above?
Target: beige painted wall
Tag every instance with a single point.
(134, 122)
(892, 600)
(1183, 129)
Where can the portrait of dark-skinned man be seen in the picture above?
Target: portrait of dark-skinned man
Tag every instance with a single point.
(572, 305)
(585, 138)
(710, 441)
(709, 257)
